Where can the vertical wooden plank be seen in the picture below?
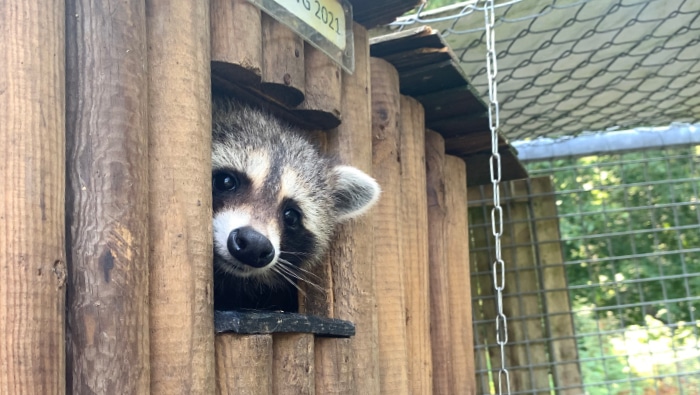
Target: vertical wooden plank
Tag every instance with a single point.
(439, 302)
(521, 303)
(462, 369)
(563, 350)
(350, 366)
(334, 360)
(322, 91)
(181, 320)
(32, 171)
(386, 168)
(316, 294)
(107, 197)
(527, 351)
(243, 364)
(236, 40)
(414, 234)
(483, 293)
(293, 364)
(283, 74)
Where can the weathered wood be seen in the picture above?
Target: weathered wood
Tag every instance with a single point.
(462, 371)
(32, 171)
(527, 240)
(293, 364)
(386, 168)
(566, 371)
(439, 302)
(333, 360)
(107, 197)
(478, 166)
(255, 321)
(414, 239)
(322, 92)
(316, 296)
(236, 41)
(483, 293)
(351, 366)
(430, 72)
(406, 40)
(243, 364)
(527, 360)
(181, 321)
(283, 74)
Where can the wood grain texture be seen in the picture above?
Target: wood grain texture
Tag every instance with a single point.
(243, 364)
(316, 296)
(236, 41)
(32, 171)
(414, 234)
(322, 91)
(521, 296)
(462, 370)
(355, 361)
(566, 371)
(283, 75)
(293, 364)
(388, 251)
(439, 303)
(483, 292)
(107, 197)
(181, 313)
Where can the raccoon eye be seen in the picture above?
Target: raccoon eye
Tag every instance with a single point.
(224, 182)
(292, 218)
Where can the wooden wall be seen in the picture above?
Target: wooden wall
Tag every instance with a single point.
(105, 256)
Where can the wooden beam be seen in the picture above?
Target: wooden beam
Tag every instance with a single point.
(107, 197)
(351, 366)
(386, 168)
(439, 302)
(414, 239)
(32, 184)
(181, 311)
(244, 364)
(462, 370)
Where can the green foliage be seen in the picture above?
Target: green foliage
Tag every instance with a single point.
(626, 362)
(624, 221)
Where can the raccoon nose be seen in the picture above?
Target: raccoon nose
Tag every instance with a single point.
(250, 247)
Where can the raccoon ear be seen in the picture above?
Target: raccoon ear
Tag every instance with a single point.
(354, 193)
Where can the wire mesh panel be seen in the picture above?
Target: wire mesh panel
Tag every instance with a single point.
(567, 66)
(630, 238)
(541, 352)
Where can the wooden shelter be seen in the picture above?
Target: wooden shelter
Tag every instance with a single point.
(106, 251)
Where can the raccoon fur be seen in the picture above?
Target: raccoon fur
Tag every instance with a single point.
(276, 202)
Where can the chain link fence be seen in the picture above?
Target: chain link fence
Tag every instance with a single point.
(622, 233)
(630, 234)
(569, 66)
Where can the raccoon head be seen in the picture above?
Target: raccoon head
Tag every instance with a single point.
(276, 201)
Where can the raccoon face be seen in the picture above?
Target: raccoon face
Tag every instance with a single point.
(276, 201)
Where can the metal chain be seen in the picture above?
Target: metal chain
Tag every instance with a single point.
(497, 211)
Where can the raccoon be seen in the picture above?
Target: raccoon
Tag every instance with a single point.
(276, 202)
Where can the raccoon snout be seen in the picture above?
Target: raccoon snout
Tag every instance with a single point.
(250, 247)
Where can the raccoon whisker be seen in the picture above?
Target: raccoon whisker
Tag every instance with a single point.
(294, 267)
(287, 279)
(307, 272)
(288, 269)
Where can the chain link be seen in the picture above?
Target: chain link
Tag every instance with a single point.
(497, 211)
